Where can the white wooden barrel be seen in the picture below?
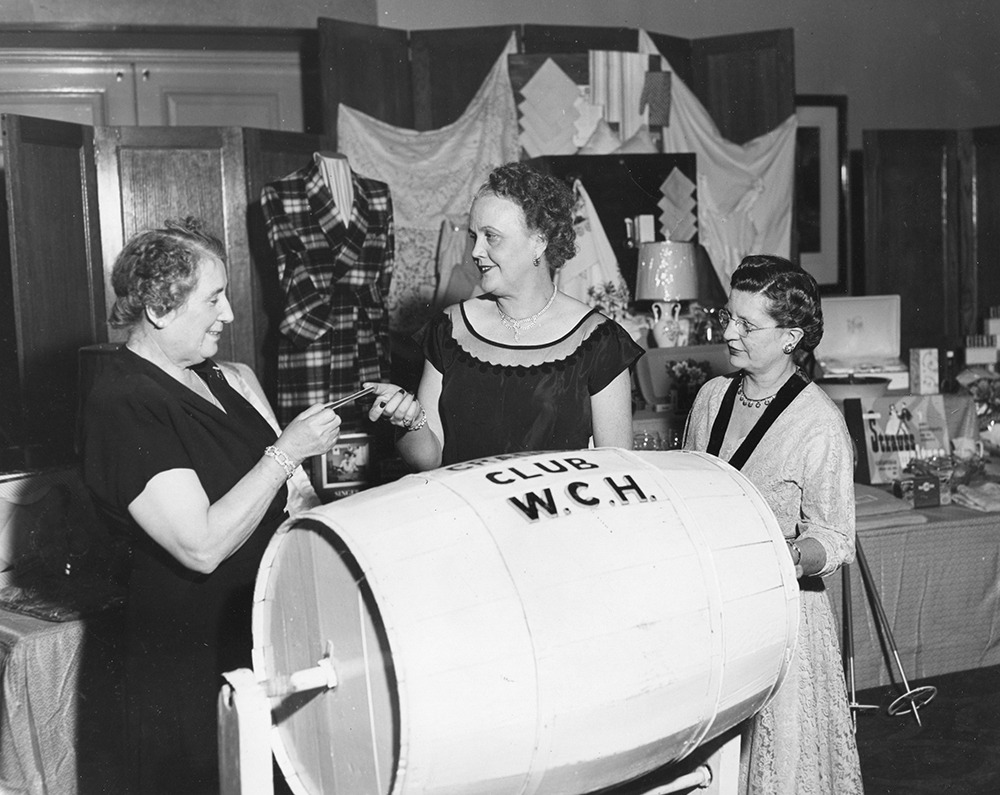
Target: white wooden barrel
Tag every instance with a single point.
(546, 623)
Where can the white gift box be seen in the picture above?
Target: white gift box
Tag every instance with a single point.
(861, 337)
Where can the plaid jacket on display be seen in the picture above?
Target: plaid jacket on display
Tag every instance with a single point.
(335, 278)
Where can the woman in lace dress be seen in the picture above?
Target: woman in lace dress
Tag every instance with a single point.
(522, 367)
(802, 742)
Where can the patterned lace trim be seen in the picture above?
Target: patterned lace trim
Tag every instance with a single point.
(468, 359)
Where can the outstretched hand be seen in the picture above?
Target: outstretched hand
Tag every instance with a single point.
(395, 404)
(312, 432)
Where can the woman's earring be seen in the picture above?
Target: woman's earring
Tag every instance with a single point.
(788, 348)
(537, 261)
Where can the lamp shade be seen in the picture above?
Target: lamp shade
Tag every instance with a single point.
(666, 272)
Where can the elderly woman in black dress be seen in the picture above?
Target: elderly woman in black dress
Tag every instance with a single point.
(193, 475)
(522, 367)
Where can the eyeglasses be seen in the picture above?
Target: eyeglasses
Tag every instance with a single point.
(743, 328)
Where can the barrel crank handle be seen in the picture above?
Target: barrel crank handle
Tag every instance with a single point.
(322, 676)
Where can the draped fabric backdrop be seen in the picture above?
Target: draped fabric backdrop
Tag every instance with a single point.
(744, 191)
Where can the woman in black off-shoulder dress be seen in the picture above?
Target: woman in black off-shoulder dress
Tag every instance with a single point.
(522, 367)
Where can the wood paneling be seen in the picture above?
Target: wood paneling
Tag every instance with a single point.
(540, 39)
(985, 221)
(366, 68)
(678, 53)
(150, 174)
(56, 290)
(449, 67)
(912, 230)
(746, 81)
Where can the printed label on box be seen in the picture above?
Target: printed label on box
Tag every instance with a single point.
(889, 432)
(924, 373)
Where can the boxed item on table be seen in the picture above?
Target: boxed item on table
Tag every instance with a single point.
(925, 373)
(861, 337)
(921, 491)
(892, 431)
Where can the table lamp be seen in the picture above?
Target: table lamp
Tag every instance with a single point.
(666, 276)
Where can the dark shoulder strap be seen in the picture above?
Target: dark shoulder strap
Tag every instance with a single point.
(722, 418)
(788, 392)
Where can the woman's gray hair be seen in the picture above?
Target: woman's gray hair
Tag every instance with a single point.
(158, 268)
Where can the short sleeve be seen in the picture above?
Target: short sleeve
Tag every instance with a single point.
(129, 439)
(434, 339)
(612, 352)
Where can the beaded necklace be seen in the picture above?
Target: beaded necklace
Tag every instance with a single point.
(751, 403)
(517, 326)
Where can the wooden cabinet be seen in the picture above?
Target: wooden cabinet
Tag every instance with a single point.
(74, 195)
(155, 87)
(932, 229)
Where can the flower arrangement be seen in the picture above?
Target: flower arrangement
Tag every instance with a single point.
(986, 394)
(689, 374)
(610, 298)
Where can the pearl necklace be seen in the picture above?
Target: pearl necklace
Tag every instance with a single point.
(517, 326)
(750, 403)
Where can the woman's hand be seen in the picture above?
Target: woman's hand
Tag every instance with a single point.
(311, 433)
(395, 404)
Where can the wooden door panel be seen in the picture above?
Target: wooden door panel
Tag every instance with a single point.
(270, 155)
(56, 289)
(150, 174)
(745, 81)
(449, 67)
(220, 88)
(911, 230)
(83, 89)
(366, 68)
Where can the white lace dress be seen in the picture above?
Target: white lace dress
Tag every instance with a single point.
(802, 743)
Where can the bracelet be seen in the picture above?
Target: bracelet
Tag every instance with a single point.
(282, 458)
(797, 552)
(418, 423)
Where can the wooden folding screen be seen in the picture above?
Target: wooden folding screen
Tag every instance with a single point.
(51, 303)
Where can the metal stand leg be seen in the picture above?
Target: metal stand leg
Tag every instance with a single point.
(912, 698)
(849, 650)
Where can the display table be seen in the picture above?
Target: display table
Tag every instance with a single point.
(40, 668)
(939, 583)
(61, 720)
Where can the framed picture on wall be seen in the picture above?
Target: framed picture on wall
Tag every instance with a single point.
(821, 189)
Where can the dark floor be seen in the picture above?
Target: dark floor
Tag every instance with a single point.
(955, 752)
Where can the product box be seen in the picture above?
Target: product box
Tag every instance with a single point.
(861, 336)
(924, 371)
(890, 432)
(921, 491)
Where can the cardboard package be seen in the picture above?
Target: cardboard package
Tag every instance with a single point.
(891, 431)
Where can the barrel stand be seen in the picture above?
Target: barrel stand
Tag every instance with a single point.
(245, 762)
(912, 698)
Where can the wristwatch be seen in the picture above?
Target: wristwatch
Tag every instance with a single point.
(796, 552)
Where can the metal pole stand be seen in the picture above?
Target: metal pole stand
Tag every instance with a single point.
(912, 698)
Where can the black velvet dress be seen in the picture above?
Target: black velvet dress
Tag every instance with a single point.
(184, 629)
(498, 398)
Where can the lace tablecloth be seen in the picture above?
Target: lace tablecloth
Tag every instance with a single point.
(939, 583)
(39, 671)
